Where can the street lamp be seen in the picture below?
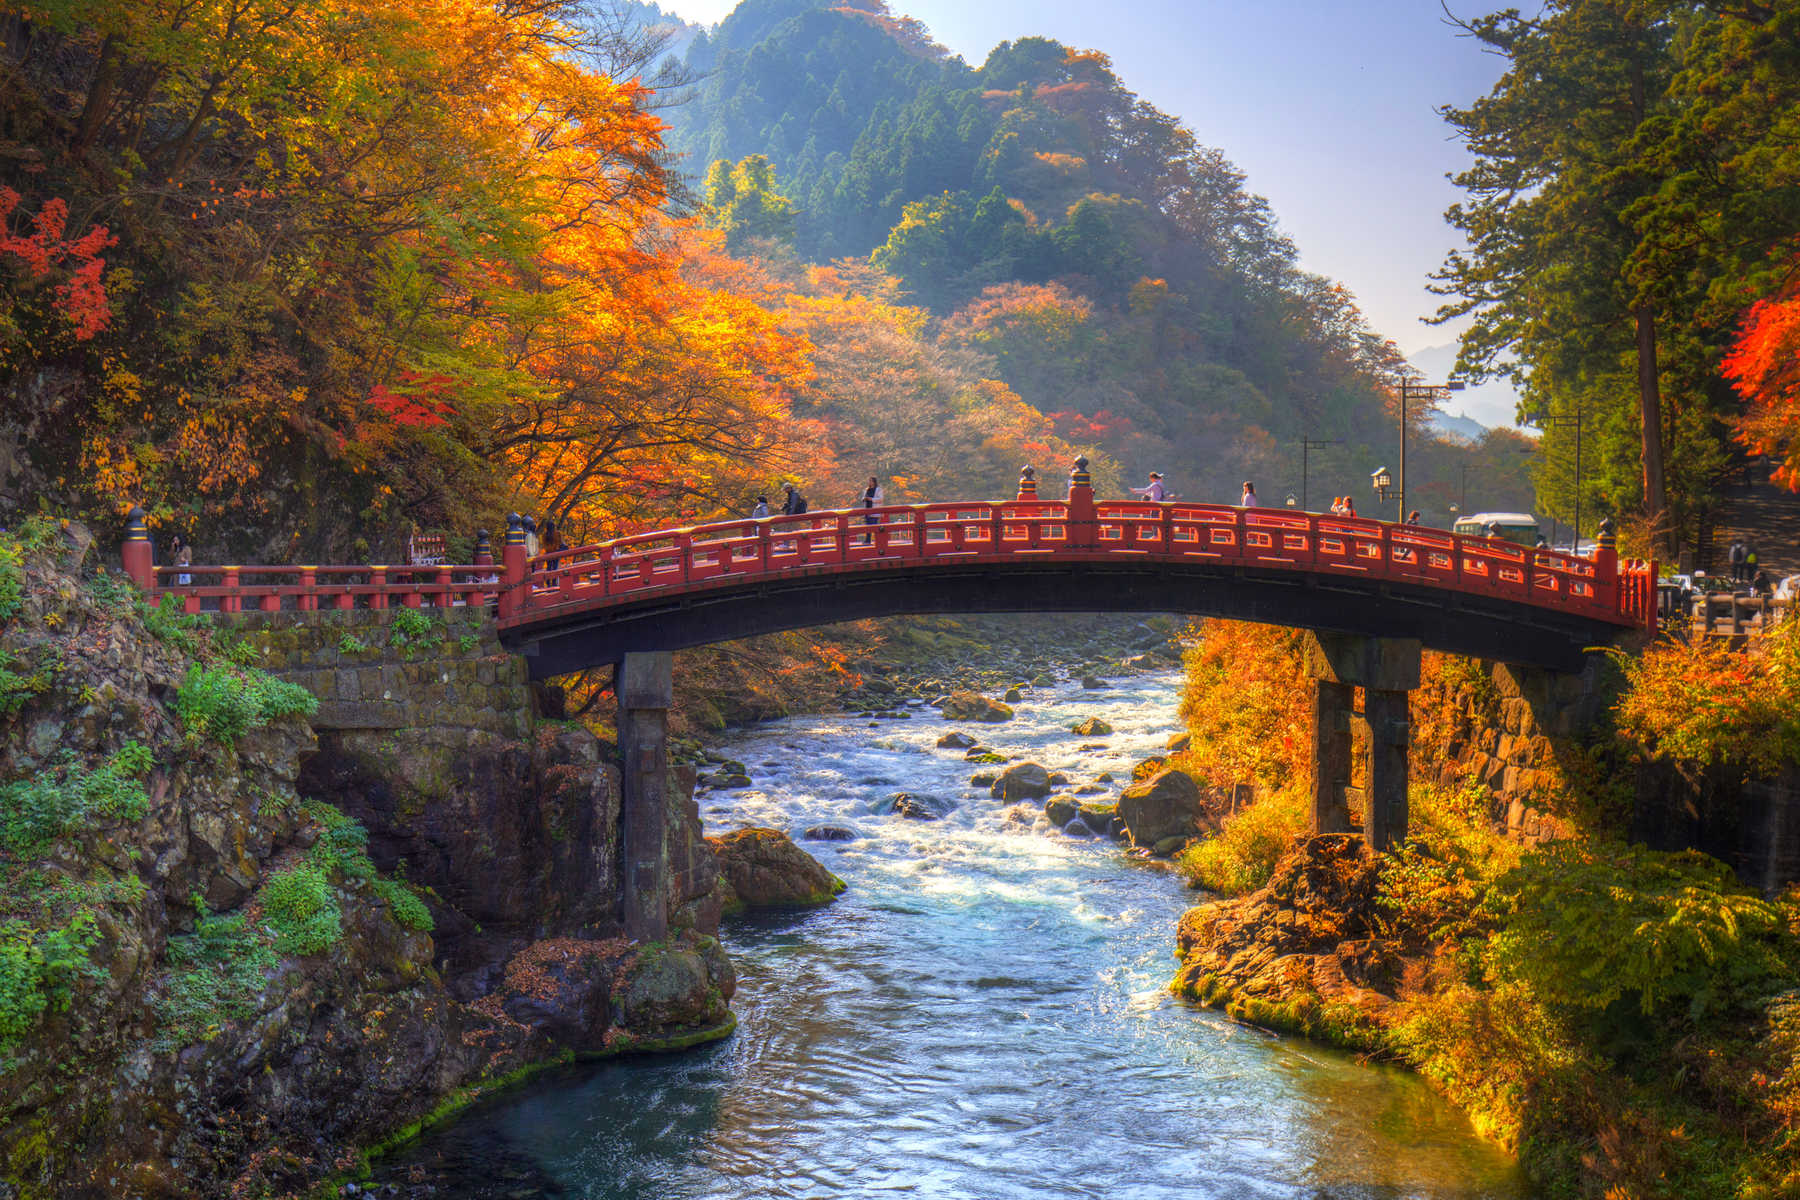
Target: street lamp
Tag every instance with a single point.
(1383, 481)
(1423, 391)
(1307, 445)
(1544, 419)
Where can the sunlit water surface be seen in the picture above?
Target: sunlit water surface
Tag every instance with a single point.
(982, 1014)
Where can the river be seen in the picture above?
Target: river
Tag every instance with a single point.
(982, 1014)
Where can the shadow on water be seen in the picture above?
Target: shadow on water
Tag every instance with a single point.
(983, 1014)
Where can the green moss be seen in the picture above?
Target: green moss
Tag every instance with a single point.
(301, 909)
(35, 812)
(216, 974)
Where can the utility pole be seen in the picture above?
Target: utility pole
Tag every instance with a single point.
(1424, 391)
(1306, 446)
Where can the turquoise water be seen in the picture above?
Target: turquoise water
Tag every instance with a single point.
(981, 1014)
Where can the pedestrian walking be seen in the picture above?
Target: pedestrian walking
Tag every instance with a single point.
(871, 498)
(181, 556)
(1249, 500)
(795, 503)
(1412, 518)
(1750, 561)
(1153, 490)
(762, 507)
(1735, 556)
(552, 541)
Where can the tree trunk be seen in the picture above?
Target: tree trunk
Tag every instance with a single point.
(1656, 501)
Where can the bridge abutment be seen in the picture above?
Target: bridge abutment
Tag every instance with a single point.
(1386, 669)
(645, 685)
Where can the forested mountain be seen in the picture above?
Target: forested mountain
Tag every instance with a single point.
(1119, 274)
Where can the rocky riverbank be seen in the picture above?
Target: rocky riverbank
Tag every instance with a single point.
(232, 959)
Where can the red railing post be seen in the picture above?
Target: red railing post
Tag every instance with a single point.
(1027, 484)
(378, 585)
(515, 582)
(137, 556)
(1084, 531)
(232, 601)
(308, 599)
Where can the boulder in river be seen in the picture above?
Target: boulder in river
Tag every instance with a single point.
(916, 807)
(1058, 779)
(1013, 695)
(973, 706)
(1166, 805)
(1022, 781)
(1060, 810)
(1091, 789)
(1076, 828)
(1102, 818)
(955, 740)
(982, 779)
(831, 833)
(1149, 767)
(1092, 682)
(1092, 727)
(762, 868)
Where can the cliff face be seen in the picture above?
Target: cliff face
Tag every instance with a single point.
(234, 952)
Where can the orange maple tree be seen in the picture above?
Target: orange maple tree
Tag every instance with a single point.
(1764, 366)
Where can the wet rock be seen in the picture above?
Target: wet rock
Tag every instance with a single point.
(982, 779)
(1077, 829)
(973, 706)
(1092, 727)
(1091, 789)
(1093, 682)
(1044, 680)
(1013, 695)
(1058, 779)
(1149, 767)
(955, 740)
(762, 868)
(831, 833)
(722, 781)
(1060, 810)
(1179, 742)
(1022, 781)
(1104, 777)
(915, 807)
(984, 754)
(1166, 805)
(1170, 846)
(1102, 819)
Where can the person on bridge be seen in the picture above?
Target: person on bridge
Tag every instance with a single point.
(762, 507)
(181, 556)
(1249, 500)
(1153, 490)
(531, 537)
(1412, 518)
(1349, 508)
(871, 498)
(795, 504)
(552, 541)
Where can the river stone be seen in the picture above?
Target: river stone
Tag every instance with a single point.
(1022, 781)
(1060, 810)
(1014, 695)
(762, 868)
(1076, 829)
(1166, 805)
(1090, 789)
(955, 740)
(973, 706)
(1102, 818)
(982, 779)
(1179, 742)
(1092, 727)
(915, 807)
(1169, 846)
(1149, 767)
(1104, 777)
(1058, 779)
(831, 833)
(1092, 682)
(724, 781)
(1044, 680)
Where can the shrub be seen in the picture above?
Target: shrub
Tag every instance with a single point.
(1247, 702)
(1252, 840)
(35, 812)
(215, 976)
(38, 969)
(17, 687)
(167, 623)
(222, 703)
(411, 630)
(1586, 924)
(1434, 885)
(405, 905)
(301, 909)
(1700, 703)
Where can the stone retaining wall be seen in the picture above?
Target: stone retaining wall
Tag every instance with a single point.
(369, 675)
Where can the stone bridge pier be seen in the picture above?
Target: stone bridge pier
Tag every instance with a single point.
(1386, 669)
(645, 686)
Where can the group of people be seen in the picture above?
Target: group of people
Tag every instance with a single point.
(793, 503)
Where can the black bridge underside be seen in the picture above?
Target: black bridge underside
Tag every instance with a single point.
(1454, 622)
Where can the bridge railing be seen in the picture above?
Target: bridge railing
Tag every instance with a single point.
(727, 552)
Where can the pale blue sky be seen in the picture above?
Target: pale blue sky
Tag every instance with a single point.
(1328, 108)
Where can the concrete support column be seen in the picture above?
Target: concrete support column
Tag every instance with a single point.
(1386, 669)
(645, 687)
(1332, 709)
(1384, 803)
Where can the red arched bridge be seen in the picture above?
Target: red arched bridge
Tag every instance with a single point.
(591, 605)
